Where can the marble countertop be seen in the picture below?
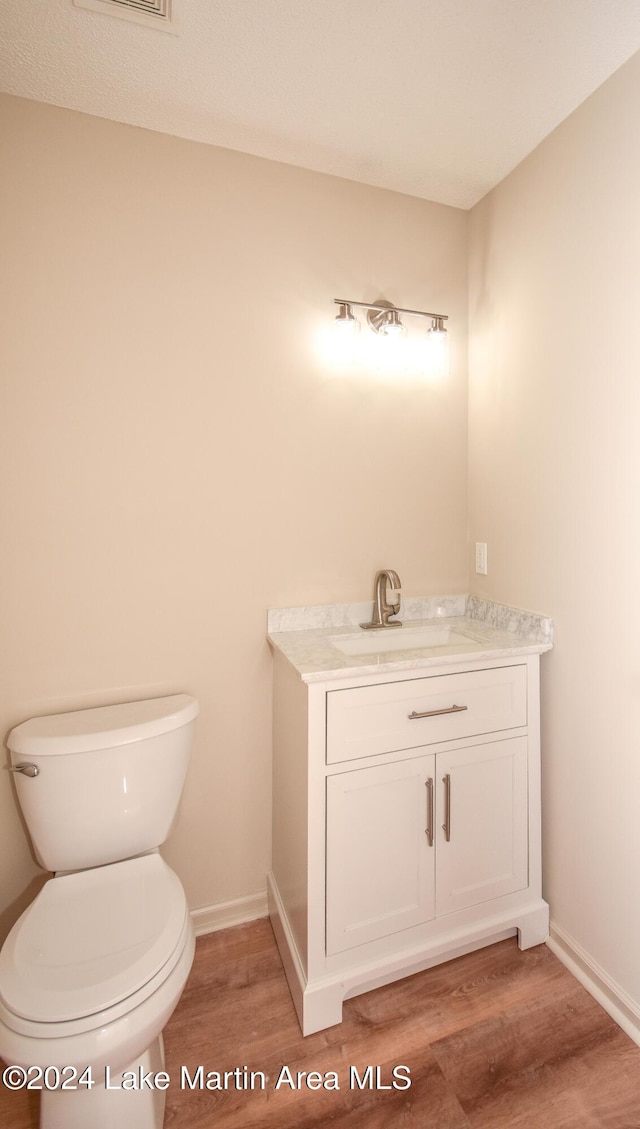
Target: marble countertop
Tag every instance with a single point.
(485, 631)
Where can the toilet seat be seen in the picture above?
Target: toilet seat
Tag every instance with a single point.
(92, 946)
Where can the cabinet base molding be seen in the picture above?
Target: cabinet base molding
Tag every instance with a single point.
(318, 1001)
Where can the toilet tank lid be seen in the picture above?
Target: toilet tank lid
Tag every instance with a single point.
(105, 727)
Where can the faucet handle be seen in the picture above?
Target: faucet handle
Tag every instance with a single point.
(393, 604)
(395, 585)
(389, 596)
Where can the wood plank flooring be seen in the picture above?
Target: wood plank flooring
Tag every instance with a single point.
(497, 1038)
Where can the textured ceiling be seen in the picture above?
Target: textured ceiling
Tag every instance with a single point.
(439, 100)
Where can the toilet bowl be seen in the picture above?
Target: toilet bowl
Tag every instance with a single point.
(91, 972)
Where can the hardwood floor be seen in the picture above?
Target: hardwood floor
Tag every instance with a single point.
(497, 1038)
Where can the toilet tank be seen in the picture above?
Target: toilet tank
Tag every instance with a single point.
(108, 780)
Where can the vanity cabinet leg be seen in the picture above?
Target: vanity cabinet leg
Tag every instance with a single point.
(322, 1007)
(533, 928)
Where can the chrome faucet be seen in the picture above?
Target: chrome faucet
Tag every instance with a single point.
(386, 578)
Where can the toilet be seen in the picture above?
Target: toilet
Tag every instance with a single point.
(92, 970)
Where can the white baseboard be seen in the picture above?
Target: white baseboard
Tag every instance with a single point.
(615, 1001)
(209, 919)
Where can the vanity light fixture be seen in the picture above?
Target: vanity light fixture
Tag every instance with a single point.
(384, 318)
(397, 351)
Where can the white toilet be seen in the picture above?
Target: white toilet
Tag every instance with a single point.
(93, 969)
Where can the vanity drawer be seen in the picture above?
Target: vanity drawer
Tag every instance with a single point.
(369, 720)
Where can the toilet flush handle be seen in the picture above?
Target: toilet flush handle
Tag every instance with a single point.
(25, 769)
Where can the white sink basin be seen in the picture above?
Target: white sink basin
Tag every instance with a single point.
(397, 639)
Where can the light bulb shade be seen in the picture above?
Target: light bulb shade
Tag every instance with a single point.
(345, 322)
(392, 326)
(437, 350)
(385, 320)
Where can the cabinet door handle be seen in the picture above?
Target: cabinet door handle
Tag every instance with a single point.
(429, 828)
(446, 826)
(435, 713)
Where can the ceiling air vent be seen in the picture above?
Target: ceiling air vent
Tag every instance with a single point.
(161, 14)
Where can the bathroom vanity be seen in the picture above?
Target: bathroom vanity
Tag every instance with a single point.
(406, 801)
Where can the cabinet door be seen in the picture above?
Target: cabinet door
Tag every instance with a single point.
(380, 861)
(485, 855)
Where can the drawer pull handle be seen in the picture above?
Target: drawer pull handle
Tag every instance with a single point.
(436, 713)
(446, 826)
(429, 828)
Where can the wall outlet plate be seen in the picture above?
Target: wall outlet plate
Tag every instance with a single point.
(481, 558)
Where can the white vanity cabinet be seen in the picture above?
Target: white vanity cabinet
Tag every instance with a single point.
(406, 812)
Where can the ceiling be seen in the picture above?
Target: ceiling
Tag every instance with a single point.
(439, 100)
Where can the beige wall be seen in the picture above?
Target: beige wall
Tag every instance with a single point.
(555, 490)
(176, 457)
